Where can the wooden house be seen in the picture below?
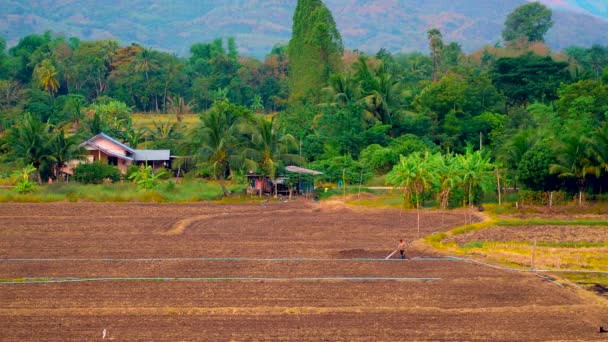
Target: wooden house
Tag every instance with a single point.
(105, 149)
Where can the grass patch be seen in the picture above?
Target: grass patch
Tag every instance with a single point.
(147, 120)
(377, 181)
(549, 222)
(187, 191)
(473, 244)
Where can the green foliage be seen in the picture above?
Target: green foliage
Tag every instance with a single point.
(533, 170)
(337, 168)
(144, 178)
(314, 49)
(530, 21)
(24, 185)
(95, 173)
(529, 77)
(30, 142)
(378, 159)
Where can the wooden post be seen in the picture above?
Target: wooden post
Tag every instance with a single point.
(498, 186)
(344, 182)
(360, 181)
(533, 266)
(550, 199)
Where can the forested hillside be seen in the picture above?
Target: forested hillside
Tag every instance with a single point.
(520, 114)
(257, 25)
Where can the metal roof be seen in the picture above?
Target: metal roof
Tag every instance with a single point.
(296, 169)
(102, 134)
(152, 155)
(108, 152)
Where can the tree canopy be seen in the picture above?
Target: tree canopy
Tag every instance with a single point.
(530, 21)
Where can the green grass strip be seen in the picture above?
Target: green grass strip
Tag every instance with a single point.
(549, 222)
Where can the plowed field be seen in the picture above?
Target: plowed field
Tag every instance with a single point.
(297, 270)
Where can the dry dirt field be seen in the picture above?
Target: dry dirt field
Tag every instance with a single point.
(284, 271)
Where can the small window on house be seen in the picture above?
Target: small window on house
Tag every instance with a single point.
(112, 161)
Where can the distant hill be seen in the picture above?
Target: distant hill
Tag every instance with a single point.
(597, 8)
(367, 25)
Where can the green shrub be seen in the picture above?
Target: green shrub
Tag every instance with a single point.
(95, 173)
(24, 184)
(131, 170)
(335, 168)
(379, 159)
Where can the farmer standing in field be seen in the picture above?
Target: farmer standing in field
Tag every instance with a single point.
(401, 248)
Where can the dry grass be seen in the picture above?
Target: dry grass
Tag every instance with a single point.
(147, 120)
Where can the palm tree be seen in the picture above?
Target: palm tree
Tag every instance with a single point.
(436, 47)
(599, 146)
(217, 139)
(63, 149)
(46, 76)
(271, 147)
(414, 173)
(29, 141)
(574, 161)
(512, 152)
(146, 62)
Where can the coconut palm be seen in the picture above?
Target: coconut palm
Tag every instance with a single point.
(271, 147)
(218, 139)
(64, 148)
(46, 76)
(574, 161)
(29, 141)
(342, 90)
(146, 62)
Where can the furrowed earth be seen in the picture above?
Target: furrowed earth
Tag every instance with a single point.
(295, 270)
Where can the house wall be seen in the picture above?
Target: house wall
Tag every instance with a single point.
(95, 155)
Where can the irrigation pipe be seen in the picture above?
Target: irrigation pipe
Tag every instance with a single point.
(79, 280)
(214, 259)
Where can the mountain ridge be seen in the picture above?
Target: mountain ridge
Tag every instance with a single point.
(257, 25)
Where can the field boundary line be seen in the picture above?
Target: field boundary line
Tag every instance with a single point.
(223, 259)
(274, 310)
(38, 280)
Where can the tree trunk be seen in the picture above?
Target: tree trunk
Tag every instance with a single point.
(418, 213)
(224, 189)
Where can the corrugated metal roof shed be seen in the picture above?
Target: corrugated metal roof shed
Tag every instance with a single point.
(152, 155)
(296, 169)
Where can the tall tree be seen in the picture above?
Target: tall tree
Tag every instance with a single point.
(529, 21)
(30, 141)
(64, 148)
(315, 49)
(436, 46)
(46, 76)
(271, 147)
(217, 139)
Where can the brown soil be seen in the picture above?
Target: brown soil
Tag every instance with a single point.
(468, 302)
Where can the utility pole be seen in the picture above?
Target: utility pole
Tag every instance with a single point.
(344, 182)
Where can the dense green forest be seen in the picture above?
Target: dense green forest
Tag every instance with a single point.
(536, 117)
